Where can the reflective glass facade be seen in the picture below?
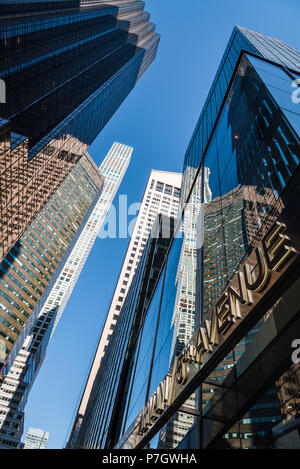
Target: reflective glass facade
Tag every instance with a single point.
(243, 165)
(161, 196)
(241, 40)
(95, 429)
(67, 67)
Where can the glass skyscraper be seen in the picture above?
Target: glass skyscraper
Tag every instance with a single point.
(67, 67)
(241, 40)
(215, 367)
(88, 430)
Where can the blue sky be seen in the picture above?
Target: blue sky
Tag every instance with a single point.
(157, 119)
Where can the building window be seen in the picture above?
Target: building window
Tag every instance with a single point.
(176, 192)
(159, 187)
(168, 189)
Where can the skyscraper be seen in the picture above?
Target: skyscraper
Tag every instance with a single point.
(36, 439)
(67, 67)
(225, 379)
(94, 429)
(33, 350)
(30, 268)
(113, 168)
(241, 39)
(28, 274)
(162, 195)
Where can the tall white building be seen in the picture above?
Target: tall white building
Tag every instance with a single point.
(162, 195)
(113, 168)
(12, 389)
(15, 386)
(36, 439)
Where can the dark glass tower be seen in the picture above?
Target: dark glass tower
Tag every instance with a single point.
(241, 39)
(88, 431)
(67, 67)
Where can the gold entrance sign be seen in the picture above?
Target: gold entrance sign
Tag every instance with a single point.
(246, 289)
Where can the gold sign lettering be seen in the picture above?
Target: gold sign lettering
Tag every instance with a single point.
(222, 312)
(156, 405)
(203, 342)
(257, 280)
(276, 246)
(274, 251)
